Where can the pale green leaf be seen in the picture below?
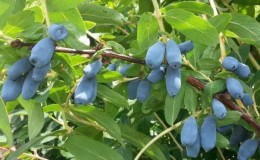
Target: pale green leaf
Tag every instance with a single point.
(220, 21)
(191, 99)
(222, 141)
(55, 5)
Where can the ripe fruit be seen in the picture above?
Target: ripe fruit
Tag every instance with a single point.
(132, 88)
(186, 47)
(208, 133)
(57, 32)
(155, 54)
(30, 86)
(189, 132)
(111, 67)
(247, 149)
(247, 100)
(19, 68)
(84, 91)
(92, 69)
(123, 69)
(42, 52)
(94, 93)
(12, 89)
(193, 151)
(230, 63)
(155, 75)
(225, 129)
(242, 70)
(39, 73)
(238, 135)
(234, 88)
(173, 54)
(219, 109)
(143, 90)
(173, 81)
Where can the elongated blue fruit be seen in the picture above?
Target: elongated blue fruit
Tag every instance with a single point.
(225, 129)
(123, 69)
(155, 54)
(189, 132)
(230, 63)
(30, 86)
(155, 75)
(242, 70)
(234, 88)
(92, 69)
(208, 133)
(12, 89)
(173, 81)
(238, 135)
(247, 100)
(39, 73)
(111, 67)
(132, 88)
(42, 52)
(57, 32)
(143, 90)
(219, 109)
(94, 93)
(193, 151)
(247, 149)
(173, 54)
(19, 68)
(185, 47)
(84, 91)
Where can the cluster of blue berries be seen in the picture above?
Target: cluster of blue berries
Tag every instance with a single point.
(26, 74)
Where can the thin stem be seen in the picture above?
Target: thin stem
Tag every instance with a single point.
(69, 95)
(123, 30)
(222, 46)
(254, 106)
(34, 156)
(64, 118)
(221, 154)
(253, 61)
(214, 7)
(156, 138)
(45, 12)
(165, 127)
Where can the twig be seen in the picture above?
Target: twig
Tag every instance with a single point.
(221, 154)
(253, 61)
(45, 12)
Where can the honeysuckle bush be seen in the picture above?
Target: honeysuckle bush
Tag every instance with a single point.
(51, 126)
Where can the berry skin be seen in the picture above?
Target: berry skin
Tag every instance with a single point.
(185, 47)
(230, 63)
(123, 69)
(247, 149)
(39, 73)
(242, 70)
(12, 89)
(219, 109)
(173, 54)
(92, 69)
(173, 81)
(19, 68)
(225, 129)
(111, 67)
(208, 134)
(29, 86)
(132, 88)
(84, 91)
(57, 32)
(143, 90)
(247, 100)
(155, 54)
(234, 88)
(94, 93)
(156, 75)
(42, 52)
(189, 132)
(193, 151)
(238, 135)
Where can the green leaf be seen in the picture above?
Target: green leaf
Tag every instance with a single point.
(139, 140)
(100, 14)
(246, 28)
(35, 116)
(192, 26)
(220, 21)
(83, 147)
(147, 31)
(232, 117)
(55, 5)
(108, 94)
(208, 64)
(108, 76)
(173, 105)
(222, 141)
(191, 99)
(249, 2)
(195, 7)
(5, 124)
(100, 117)
(215, 87)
